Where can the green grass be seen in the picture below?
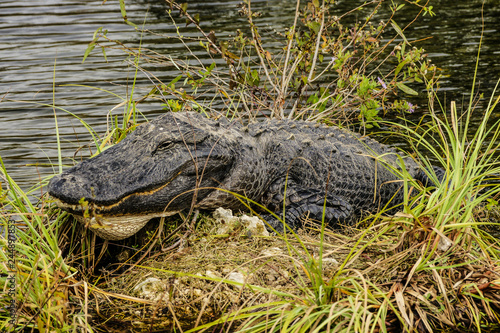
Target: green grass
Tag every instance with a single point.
(442, 237)
(42, 275)
(432, 266)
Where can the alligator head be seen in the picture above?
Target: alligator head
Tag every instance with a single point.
(153, 172)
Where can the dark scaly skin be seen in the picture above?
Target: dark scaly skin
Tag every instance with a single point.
(156, 168)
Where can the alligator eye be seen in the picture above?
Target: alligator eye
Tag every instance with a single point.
(163, 146)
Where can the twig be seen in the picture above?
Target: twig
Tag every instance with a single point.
(258, 48)
(313, 65)
(287, 57)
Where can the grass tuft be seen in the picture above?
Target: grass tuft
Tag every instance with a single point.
(433, 266)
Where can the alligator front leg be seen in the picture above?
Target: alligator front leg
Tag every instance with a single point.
(311, 203)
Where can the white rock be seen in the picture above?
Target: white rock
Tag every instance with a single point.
(254, 225)
(226, 221)
(236, 277)
(444, 243)
(151, 288)
(332, 261)
(211, 274)
(272, 251)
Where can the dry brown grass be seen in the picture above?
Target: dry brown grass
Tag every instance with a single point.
(191, 284)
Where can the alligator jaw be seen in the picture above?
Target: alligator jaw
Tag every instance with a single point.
(111, 227)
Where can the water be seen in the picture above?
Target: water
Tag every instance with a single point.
(37, 36)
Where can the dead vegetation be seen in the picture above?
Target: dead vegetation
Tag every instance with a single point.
(431, 268)
(424, 282)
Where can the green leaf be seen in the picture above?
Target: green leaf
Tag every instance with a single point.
(406, 89)
(88, 50)
(429, 10)
(171, 85)
(174, 81)
(399, 31)
(122, 8)
(491, 204)
(255, 77)
(184, 7)
(313, 99)
(314, 26)
(95, 37)
(210, 68)
(104, 53)
(124, 14)
(400, 66)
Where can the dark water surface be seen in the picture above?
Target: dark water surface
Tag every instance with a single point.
(38, 35)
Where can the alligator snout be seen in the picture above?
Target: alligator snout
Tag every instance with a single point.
(69, 188)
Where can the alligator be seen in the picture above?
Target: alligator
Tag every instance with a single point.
(184, 160)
